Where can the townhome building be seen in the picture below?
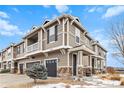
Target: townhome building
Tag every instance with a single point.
(63, 45)
(7, 58)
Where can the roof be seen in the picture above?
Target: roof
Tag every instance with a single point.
(8, 47)
(76, 20)
(19, 43)
(97, 43)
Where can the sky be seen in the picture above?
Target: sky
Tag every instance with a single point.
(16, 21)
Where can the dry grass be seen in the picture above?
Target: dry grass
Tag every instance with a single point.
(115, 77)
(110, 77)
(48, 81)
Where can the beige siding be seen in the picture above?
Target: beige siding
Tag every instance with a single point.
(85, 61)
(83, 39)
(54, 44)
(62, 59)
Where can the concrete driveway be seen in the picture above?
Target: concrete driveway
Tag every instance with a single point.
(8, 79)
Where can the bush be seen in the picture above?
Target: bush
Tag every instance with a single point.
(5, 71)
(111, 70)
(37, 72)
(122, 82)
(115, 78)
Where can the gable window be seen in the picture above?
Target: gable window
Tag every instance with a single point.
(77, 36)
(52, 34)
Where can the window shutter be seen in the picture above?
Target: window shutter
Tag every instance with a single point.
(56, 28)
(48, 36)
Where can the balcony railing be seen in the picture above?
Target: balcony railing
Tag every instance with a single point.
(33, 47)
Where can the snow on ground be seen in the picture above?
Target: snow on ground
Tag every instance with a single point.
(92, 82)
(122, 75)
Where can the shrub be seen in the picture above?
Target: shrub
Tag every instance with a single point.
(5, 71)
(122, 81)
(111, 70)
(37, 72)
(115, 77)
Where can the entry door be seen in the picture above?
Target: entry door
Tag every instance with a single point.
(93, 65)
(21, 68)
(51, 67)
(74, 64)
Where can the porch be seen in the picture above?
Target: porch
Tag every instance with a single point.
(80, 59)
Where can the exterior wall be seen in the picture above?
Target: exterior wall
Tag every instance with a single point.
(22, 50)
(62, 59)
(83, 38)
(69, 40)
(59, 38)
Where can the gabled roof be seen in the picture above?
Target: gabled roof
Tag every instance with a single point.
(97, 43)
(48, 22)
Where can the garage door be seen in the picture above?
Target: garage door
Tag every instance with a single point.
(28, 65)
(52, 67)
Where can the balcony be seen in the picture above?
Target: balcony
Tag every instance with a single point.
(33, 47)
(33, 43)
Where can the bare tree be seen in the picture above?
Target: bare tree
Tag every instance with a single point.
(117, 35)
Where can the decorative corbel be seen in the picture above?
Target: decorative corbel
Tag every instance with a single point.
(66, 20)
(58, 21)
(62, 51)
(46, 54)
(43, 29)
(72, 21)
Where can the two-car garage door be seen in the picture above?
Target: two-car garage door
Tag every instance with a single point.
(52, 67)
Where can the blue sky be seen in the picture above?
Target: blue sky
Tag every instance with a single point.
(15, 21)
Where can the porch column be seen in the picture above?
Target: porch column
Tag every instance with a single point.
(68, 58)
(24, 67)
(95, 61)
(80, 58)
(12, 66)
(90, 61)
(7, 64)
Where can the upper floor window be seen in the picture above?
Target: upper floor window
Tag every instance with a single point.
(77, 36)
(18, 50)
(52, 34)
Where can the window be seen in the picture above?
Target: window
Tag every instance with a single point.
(18, 50)
(52, 34)
(77, 36)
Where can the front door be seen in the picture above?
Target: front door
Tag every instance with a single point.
(74, 64)
(21, 68)
(93, 64)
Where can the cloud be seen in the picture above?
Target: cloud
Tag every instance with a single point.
(53, 16)
(3, 14)
(46, 6)
(99, 34)
(15, 9)
(92, 9)
(62, 8)
(8, 29)
(95, 9)
(113, 11)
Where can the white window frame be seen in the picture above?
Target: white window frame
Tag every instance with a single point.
(51, 29)
(77, 34)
